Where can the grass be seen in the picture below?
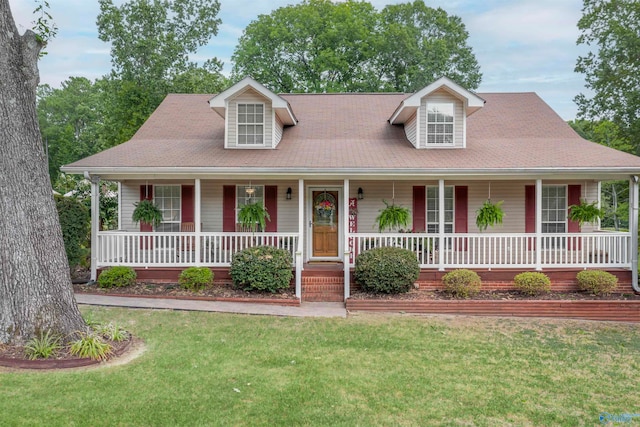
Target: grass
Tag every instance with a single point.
(222, 369)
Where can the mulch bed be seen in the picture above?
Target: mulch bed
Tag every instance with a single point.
(14, 357)
(217, 291)
(417, 294)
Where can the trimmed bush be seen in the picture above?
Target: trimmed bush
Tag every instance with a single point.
(262, 268)
(597, 282)
(386, 270)
(196, 278)
(532, 283)
(74, 221)
(117, 277)
(462, 283)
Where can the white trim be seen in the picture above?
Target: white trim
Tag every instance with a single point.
(301, 235)
(565, 210)
(226, 127)
(197, 219)
(633, 229)
(119, 205)
(453, 124)
(538, 224)
(155, 192)
(345, 242)
(273, 128)
(599, 225)
(95, 224)
(441, 231)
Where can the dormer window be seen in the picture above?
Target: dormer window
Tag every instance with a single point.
(440, 123)
(250, 124)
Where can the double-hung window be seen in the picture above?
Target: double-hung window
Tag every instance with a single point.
(167, 198)
(248, 194)
(250, 124)
(440, 123)
(554, 208)
(433, 212)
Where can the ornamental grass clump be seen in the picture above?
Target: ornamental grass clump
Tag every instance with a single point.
(43, 346)
(91, 345)
(118, 277)
(386, 270)
(532, 283)
(262, 268)
(597, 282)
(462, 283)
(196, 278)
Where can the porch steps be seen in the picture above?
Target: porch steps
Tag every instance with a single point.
(323, 283)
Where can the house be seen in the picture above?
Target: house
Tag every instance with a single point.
(322, 164)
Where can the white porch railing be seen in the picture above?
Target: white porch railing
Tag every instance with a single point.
(514, 250)
(156, 249)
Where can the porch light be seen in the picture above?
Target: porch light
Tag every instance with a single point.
(289, 193)
(360, 193)
(250, 190)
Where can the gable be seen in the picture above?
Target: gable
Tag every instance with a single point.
(248, 97)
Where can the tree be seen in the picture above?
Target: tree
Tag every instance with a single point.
(612, 27)
(35, 286)
(422, 44)
(322, 46)
(150, 45)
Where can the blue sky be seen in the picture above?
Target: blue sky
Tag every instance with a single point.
(521, 45)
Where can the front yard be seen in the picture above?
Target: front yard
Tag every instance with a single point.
(219, 369)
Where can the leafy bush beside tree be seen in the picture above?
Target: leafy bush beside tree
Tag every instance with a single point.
(387, 270)
(462, 283)
(262, 268)
(118, 277)
(597, 282)
(196, 278)
(532, 283)
(74, 220)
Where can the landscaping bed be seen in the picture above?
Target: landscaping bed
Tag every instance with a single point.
(216, 292)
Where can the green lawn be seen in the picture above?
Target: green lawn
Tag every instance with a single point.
(219, 369)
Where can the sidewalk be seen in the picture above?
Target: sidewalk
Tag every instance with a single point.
(306, 309)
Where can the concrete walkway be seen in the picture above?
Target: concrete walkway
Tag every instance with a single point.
(306, 309)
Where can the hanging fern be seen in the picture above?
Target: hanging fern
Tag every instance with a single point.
(253, 216)
(489, 215)
(147, 212)
(585, 212)
(392, 217)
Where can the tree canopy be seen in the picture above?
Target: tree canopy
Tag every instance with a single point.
(612, 70)
(322, 46)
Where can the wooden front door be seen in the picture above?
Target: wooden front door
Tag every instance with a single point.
(325, 223)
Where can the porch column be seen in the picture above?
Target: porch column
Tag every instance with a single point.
(633, 229)
(441, 239)
(345, 227)
(301, 229)
(119, 205)
(95, 224)
(197, 219)
(538, 224)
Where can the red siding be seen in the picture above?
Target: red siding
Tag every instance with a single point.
(461, 214)
(573, 198)
(419, 208)
(229, 208)
(271, 204)
(146, 193)
(188, 203)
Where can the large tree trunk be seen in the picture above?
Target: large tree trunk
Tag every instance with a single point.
(35, 286)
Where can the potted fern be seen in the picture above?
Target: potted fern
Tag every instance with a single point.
(253, 216)
(489, 214)
(392, 217)
(147, 212)
(585, 212)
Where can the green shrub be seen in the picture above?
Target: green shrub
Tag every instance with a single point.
(74, 221)
(118, 277)
(597, 282)
(196, 278)
(532, 283)
(262, 268)
(42, 346)
(462, 283)
(386, 270)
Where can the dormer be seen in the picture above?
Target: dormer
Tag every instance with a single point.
(436, 116)
(254, 116)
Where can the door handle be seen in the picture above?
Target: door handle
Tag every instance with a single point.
(310, 223)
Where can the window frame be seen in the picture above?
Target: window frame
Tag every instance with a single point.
(430, 137)
(556, 210)
(162, 226)
(247, 123)
(435, 211)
